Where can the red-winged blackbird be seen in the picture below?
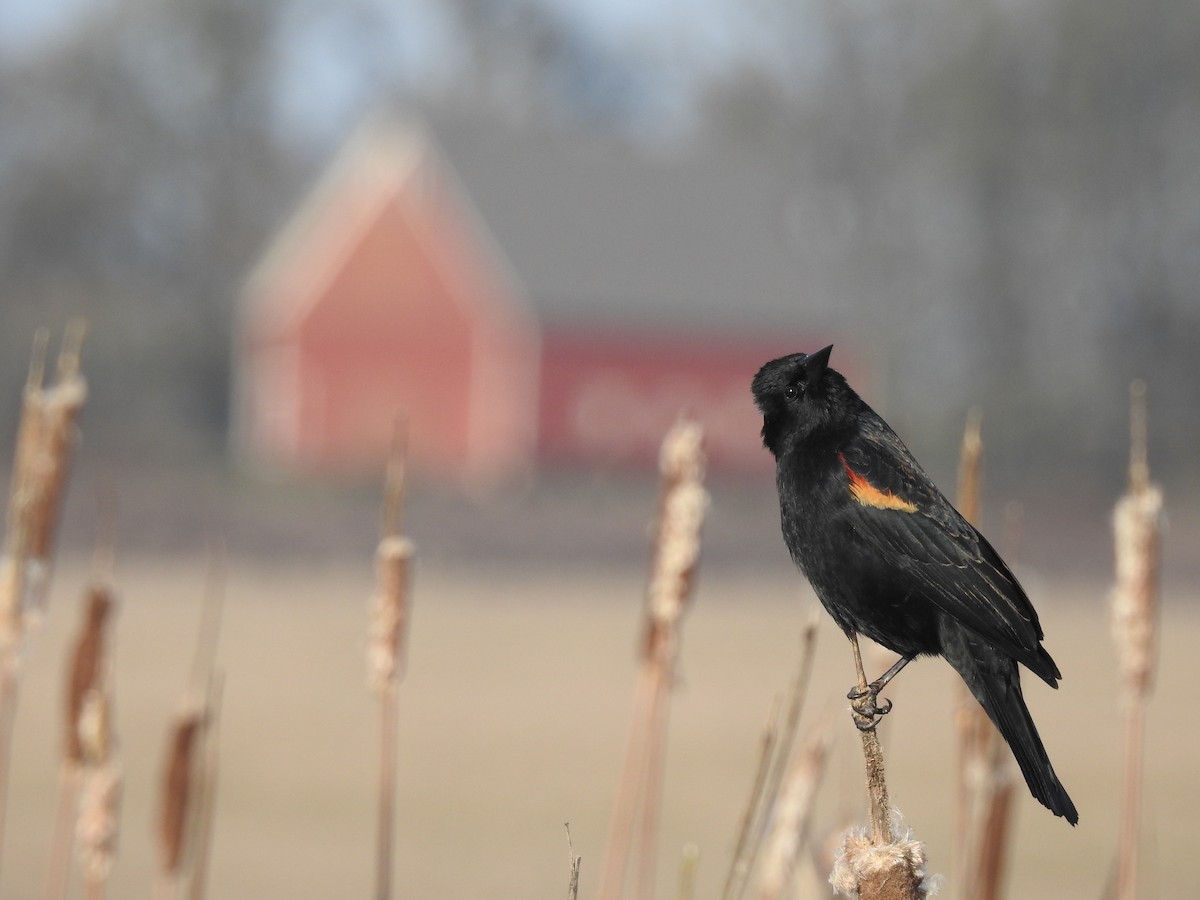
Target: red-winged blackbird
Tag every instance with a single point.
(890, 558)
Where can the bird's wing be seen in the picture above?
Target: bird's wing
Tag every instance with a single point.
(901, 515)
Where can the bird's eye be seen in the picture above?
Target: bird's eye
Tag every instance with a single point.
(791, 392)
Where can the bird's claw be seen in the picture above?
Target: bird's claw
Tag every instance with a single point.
(864, 706)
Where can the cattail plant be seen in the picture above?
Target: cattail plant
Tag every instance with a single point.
(86, 727)
(790, 822)
(985, 782)
(189, 779)
(385, 654)
(46, 435)
(1137, 523)
(575, 863)
(682, 507)
(100, 793)
(774, 757)
(878, 862)
(182, 775)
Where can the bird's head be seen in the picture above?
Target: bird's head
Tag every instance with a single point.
(800, 397)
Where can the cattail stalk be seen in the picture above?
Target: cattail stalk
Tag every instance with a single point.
(100, 794)
(46, 436)
(985, 782)
(62, 405)
(181, 777)
(682, 507)
(86, 667)
(189, 779)
(874, 862)
(385, 656)
(776, 752)
(575, 862)
(790, 822)
(1137, 523)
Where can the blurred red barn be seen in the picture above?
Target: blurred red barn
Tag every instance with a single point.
(387, 296)
(610, 397)
(384, 299)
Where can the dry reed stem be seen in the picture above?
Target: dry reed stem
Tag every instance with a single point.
(97, 825)
(202, 825)
(985, 773)
(984, 877)
(682, 507)
(13, 567)
(45, 440)
(385, 652)
(874, 862)
(58, 868)
(389, 612)
(62, 404)
(1137, 525)
(180, 778)
(774, 758)
(745, 850)
(574, 863)
(99, 810)
(877, 792)
(188, 783)
(86, 666)
(792, 815)
(188, 796)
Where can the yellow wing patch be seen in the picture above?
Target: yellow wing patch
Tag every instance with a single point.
(869, 495)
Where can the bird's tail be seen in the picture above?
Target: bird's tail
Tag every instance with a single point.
(996, 685)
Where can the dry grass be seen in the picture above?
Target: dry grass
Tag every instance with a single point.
(516, 704)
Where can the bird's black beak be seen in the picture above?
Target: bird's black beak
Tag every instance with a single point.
(815, 363)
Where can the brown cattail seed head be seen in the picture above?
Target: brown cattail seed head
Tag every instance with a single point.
(681, 515)
(1137, 523)
(62, 404)
(97, 825)
(178, 781)
(87, 665)
(891, 871)
(389, 612)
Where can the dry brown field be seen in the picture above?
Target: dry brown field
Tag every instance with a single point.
(513, 718)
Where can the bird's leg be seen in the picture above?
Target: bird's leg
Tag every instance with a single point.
(863, 698)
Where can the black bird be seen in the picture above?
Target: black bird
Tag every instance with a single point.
(891, 558)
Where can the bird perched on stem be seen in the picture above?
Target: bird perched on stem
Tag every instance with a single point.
(890, 558)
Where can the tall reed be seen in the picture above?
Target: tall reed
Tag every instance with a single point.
(385, 655)
(46, 437)
(985, 783)
(86, 745)
(778, 739)
(682, 507)
(189, 780)
(1137, 525)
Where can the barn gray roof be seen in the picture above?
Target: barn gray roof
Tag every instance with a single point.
(599, 231)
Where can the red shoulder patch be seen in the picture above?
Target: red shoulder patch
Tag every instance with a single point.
(869, 495)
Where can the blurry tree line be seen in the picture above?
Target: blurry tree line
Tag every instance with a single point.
(1007, 195)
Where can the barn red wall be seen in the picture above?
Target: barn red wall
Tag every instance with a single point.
(611, 397)
(387, 338)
